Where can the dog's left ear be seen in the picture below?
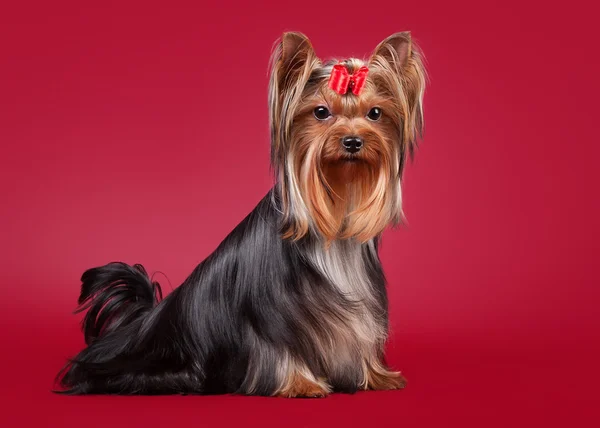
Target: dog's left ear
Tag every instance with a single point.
(397, 64)
(396, 49)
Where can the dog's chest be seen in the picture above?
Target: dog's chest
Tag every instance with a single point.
(344, 266)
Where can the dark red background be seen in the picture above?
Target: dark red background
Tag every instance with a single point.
(138, 132)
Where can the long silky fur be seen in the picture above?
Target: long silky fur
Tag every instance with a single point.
(113, 296)
(295, 295)
(256, 301)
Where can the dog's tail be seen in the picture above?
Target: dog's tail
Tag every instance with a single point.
(114, 295)
(118, 299)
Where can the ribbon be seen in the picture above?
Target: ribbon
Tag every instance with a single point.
(340, 80)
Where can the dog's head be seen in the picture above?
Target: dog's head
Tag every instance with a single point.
(340, 135)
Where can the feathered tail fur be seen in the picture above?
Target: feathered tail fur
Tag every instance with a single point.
(121, 303)
(113, 296)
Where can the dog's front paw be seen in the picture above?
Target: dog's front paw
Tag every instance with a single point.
(385, 380)
(300, 387)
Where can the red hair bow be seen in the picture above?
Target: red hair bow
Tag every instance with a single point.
(340, 80)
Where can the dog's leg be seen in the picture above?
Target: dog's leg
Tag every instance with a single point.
(274, 372)
(300, 382)
(377, 377)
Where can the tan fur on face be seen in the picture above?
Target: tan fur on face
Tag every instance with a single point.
(321, 188)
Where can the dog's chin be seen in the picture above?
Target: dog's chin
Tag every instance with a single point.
(352, 160)
(349, 168)
(347, 159)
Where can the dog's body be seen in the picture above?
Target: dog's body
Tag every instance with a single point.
(293, 301)
(245, 318)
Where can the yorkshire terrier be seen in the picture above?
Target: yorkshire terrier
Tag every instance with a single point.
(293, 302)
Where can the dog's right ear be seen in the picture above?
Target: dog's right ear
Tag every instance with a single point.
(296, 58)
(292, 63)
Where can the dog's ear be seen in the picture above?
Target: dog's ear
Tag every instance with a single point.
(398, 66)
(296, 53)
(396, 49)
(296, 49)
(292, 63)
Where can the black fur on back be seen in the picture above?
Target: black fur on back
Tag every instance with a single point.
(254, 299)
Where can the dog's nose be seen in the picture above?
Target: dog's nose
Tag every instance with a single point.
(352, 143)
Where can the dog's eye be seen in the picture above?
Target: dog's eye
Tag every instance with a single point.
(322, 113)
(374, 113)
